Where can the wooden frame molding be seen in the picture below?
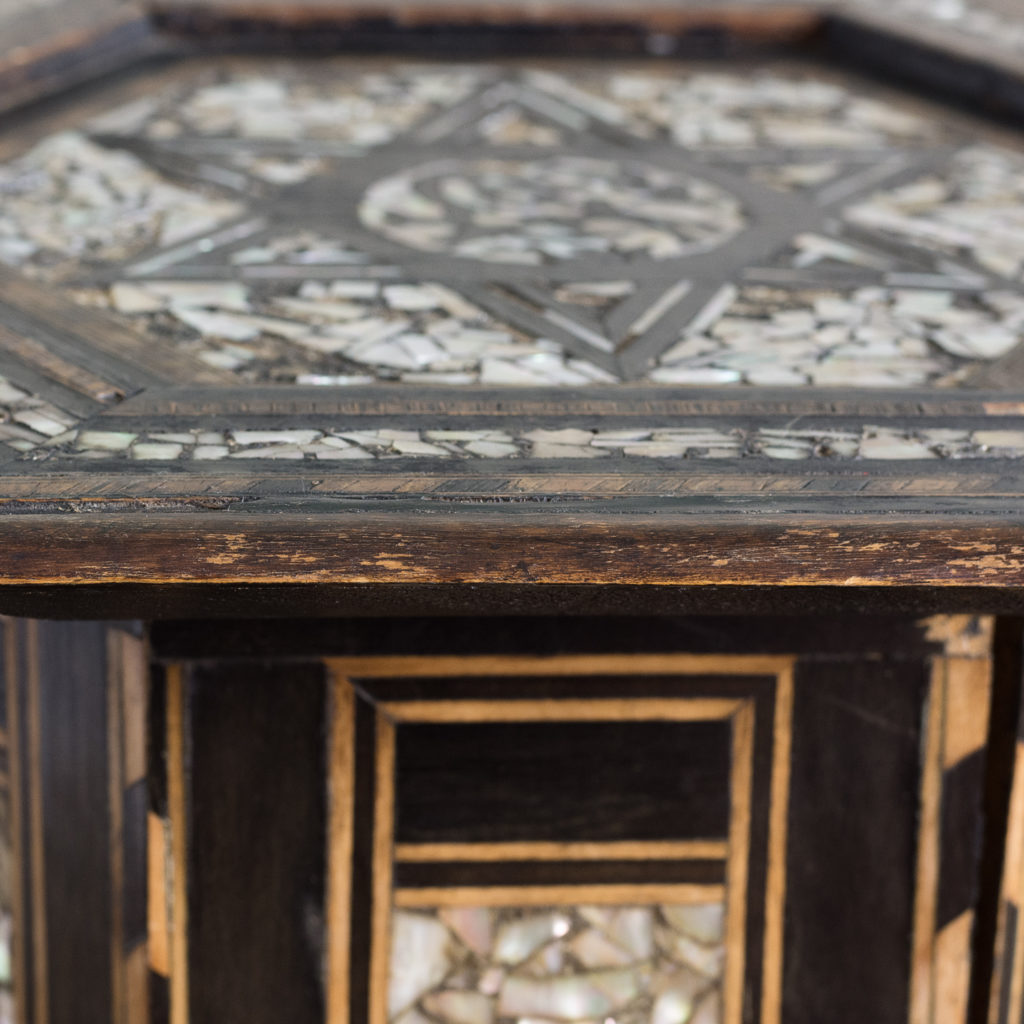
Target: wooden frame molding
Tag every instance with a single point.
(391, 714)
(955, 732)
(697, 849)
(178, 823)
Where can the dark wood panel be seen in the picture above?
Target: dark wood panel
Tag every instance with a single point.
(529, 873)
(76, 854)
(960, 838)
(136, 808)
(851, 856)
(72, 679)
(159, 999)
(640, 633)
(223, 603)
(562, 781)
(257, 807)
(361, 936)
(51, 47)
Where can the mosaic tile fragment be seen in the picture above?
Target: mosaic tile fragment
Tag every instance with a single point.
(538, 974)
(363, 109)
(974, 209)
(725, 110)
(548, 211)
(345, 332)
(26, 420)
(869, 337)
(70, 201)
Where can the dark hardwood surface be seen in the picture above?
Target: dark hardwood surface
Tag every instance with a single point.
(855, 765)
(256, 807)
(526, 547)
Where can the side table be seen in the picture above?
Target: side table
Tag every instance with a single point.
(533, 538)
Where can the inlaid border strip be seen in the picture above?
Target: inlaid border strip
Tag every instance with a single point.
(1007, 1003)
(778, 834)
(921, 1007)
(115, 797)
(177, 813)
(383, 890)
(385, 898)
(340, 841)
(555, 895)
(737, 867)
(694, 849)
(582, 710)
(416, 666)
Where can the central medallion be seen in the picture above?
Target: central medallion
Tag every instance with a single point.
(552, 210)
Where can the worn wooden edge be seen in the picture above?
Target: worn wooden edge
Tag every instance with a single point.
(938, 59)
(917, 52)
(526, 548)
(914, 50)
(84, 50)
(126, 356)
(783, 22)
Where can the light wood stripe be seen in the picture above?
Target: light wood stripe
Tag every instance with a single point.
(696, 849)
(135, 676)
(962, 636)
(157, 922)
(1013, 890)
(737, 867)
(340, 845)
(968, 693)
(922, 963)
(953, 970)
(1014, 870)
(558, 895)
(176, 800)
(383, 833)
(624, 710)
(413, 666)
(775, 897)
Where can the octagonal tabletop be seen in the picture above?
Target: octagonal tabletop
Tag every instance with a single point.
(368, 319)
